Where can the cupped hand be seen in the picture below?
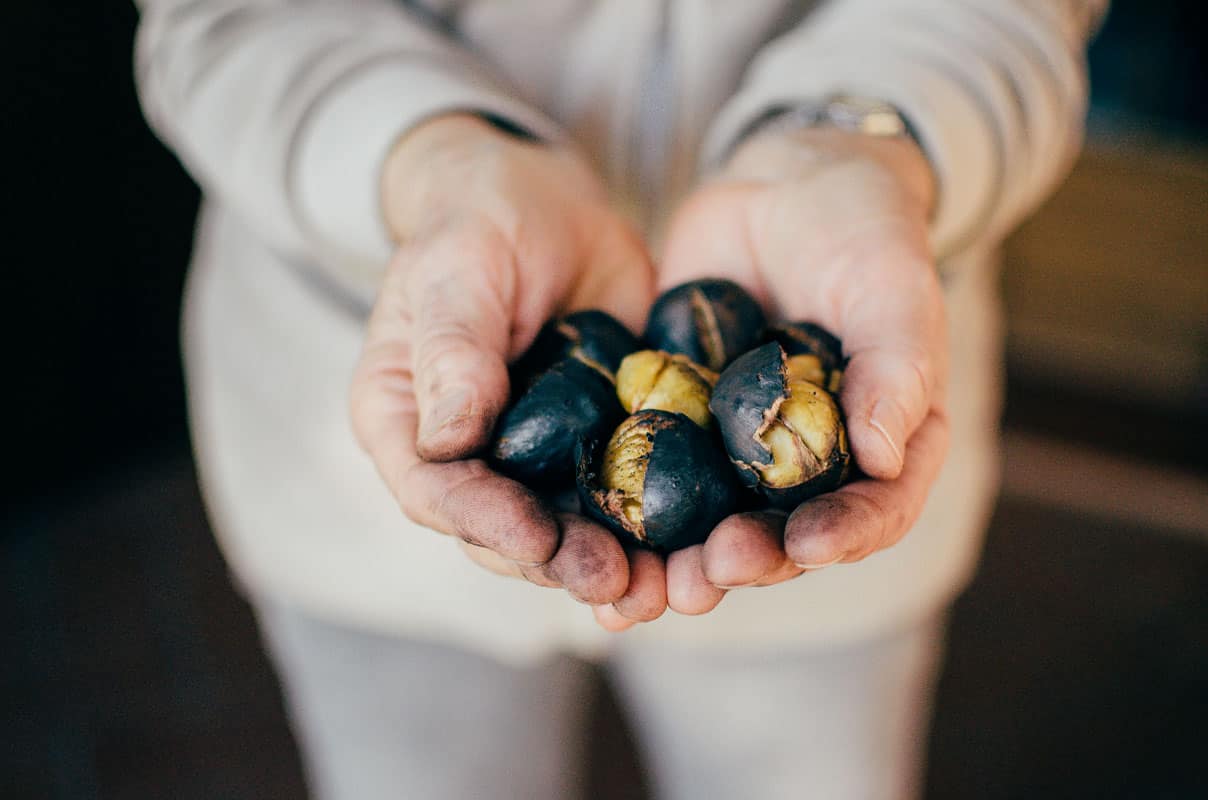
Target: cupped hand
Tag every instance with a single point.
(828, 227)
(497, 235)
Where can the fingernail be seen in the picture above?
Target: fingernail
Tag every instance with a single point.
(887, 418)
(831, 563)
(450, 407)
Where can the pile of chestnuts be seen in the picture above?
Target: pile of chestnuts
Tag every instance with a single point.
(715, 411)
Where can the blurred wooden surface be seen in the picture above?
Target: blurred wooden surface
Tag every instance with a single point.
(1107, 286)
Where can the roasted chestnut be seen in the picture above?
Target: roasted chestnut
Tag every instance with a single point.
(657, 380)
(536, 438)
(661, 481)
(815, 354)
(784, 434)
(710, 321)
(591, 336)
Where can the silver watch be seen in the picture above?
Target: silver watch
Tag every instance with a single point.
(847, 112)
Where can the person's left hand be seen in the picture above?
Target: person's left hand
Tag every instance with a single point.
(828, 227)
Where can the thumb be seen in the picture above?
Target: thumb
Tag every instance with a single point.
(618, 279)
(460, 295)
(896, 376)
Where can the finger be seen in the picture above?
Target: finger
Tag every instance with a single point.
(460, 293)
(744, 549)
(619, 279)
(462, 498)
(610, 619)
(688, 590)
(468, 500)
(886, 395)
(861, 518)
(785, 572)
(897, 367)
(645, 599)
(497, 564)
(491, 561)
(590, 563)
(538, 575)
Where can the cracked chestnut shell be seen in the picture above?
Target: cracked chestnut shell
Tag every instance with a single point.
(536, 438)
(814, 353)
(784, 434)
(652, 379)
(710, 321)
(660, 481)
(591, 336)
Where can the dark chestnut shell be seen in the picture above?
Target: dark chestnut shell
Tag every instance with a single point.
(806, 338)
(830, 479)
(536, 438)
(689, 487)
(595, 335)
(745, 397)
(710, 321)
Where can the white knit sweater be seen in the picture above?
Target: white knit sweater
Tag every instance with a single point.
(284, 111)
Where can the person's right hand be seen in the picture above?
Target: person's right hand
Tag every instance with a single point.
(497, 235)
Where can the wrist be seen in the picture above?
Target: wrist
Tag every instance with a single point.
(773, 155)
(429, 158)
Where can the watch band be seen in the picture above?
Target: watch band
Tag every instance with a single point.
(848, 112)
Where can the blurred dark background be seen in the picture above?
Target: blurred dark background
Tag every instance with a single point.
(1079, 663)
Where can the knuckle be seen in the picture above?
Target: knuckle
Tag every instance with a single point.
(909, 368)
(587, 570)
(401, 271)
(879, 522)
(539, 576)
(641, 607)
(360, 415)
(411, 504)
(447, 504)
(922, 366)
(488, 560)
(442, 346)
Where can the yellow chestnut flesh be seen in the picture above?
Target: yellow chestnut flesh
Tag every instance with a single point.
(805, 368)
(801, 439)
(623, 471)
(809, 368)
(654, 380)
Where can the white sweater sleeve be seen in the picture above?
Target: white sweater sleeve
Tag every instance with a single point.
(285, 110)
(996, 90)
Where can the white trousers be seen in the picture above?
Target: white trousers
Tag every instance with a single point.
(381, 718)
